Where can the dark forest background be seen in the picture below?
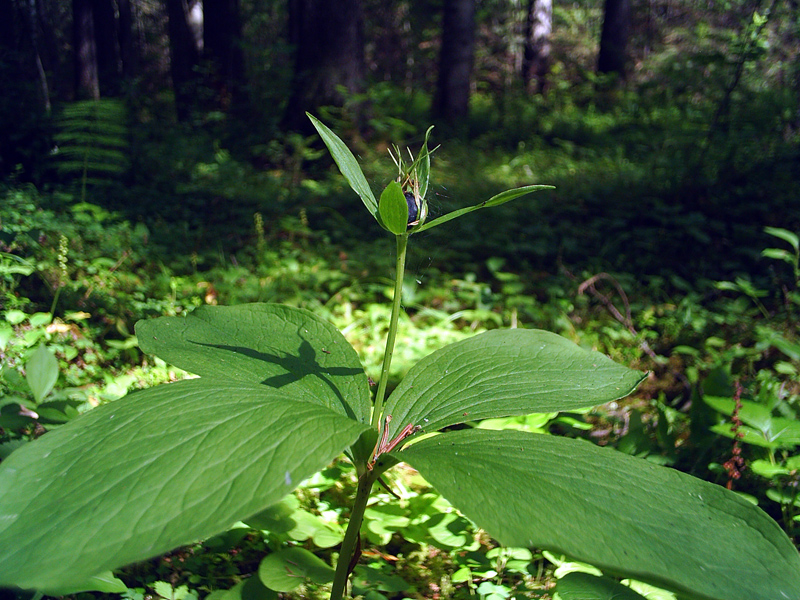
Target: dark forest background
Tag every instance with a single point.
(670, 127)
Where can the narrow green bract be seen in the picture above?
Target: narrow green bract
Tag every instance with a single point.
(497, 200)
(348, 165)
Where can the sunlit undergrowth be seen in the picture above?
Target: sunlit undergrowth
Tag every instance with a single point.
(100, 277)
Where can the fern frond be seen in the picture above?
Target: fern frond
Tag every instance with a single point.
(93, 141)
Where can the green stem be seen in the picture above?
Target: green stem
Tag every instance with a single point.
(55, 301)
(402, 245)
(350, 540)
(368, 477)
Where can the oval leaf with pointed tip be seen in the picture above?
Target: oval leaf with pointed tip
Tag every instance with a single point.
(394, 209)
(497, 200)
(348, 165)
(41, 372)
(622, 514)
(286, 348)
(502, 373)
(102, 582)
(160, 468)
(287, 569)
(583, 586)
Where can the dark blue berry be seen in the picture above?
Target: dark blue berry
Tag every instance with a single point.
(413, 207)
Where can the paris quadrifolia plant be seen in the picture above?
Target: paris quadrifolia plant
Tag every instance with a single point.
(280, 394)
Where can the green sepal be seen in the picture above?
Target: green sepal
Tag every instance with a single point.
(422, 165)
(393, 209)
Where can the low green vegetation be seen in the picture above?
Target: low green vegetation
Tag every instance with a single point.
(720, 402)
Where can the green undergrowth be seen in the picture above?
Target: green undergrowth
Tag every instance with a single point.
(74, 279)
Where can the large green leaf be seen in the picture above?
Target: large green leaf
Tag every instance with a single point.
(279, 346)
(502, 373)
(157, 469)
(347, 164)
(500, 198)
(622, 514)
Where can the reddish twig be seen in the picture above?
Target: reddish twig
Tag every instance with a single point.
(627, 319)
(735, 464)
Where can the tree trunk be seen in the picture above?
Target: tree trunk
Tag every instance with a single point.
(14, 27)
(7, 26)
(329, 53)
(222, 32)
(85, 50)
(106, 40)
(614, 37)
(21, 68)
(183, 56)
(127, 53)
(536, 60)
(456, 60)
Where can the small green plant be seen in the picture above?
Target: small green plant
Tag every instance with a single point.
(49, 374)
(766, 432)
(281, 393)
(28, 376)
(762, 417)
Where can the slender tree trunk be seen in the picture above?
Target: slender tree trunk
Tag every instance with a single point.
(33, 34)
(184, 58)
(329, 53)
(85, 50)
(44, 88)
(7, 26)
(222, 32)
(50, 48)
(194, 18)
(25, 140)
(106, 40)
(456, 60)
(127, 54)
(614, 37)
(536, 59)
